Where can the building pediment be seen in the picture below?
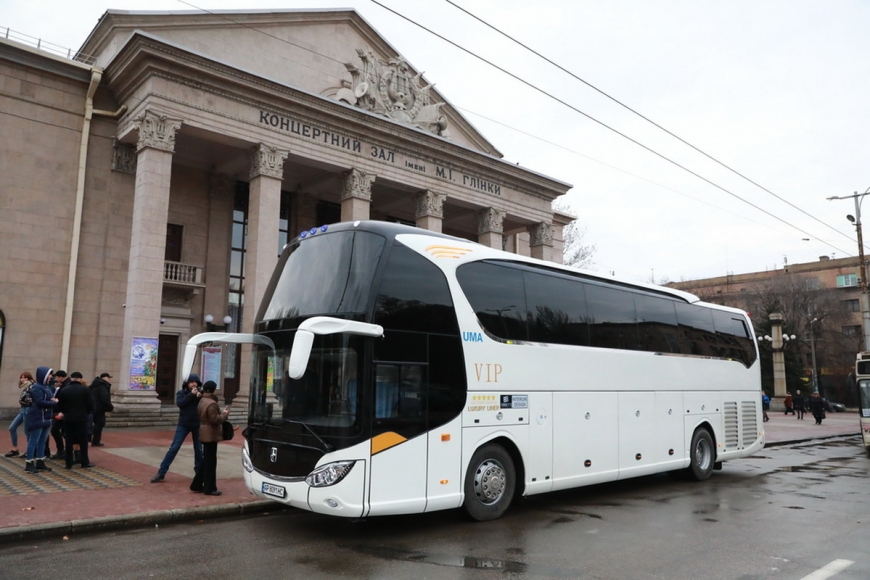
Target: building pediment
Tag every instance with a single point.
(333, 53)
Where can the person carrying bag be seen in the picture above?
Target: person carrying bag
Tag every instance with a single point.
(211, 419)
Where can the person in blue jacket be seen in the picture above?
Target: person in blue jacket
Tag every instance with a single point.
(187, 400)
(765, 405)
(37, 422)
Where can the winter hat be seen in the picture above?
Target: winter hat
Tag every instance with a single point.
(209, 387)
(193, 378)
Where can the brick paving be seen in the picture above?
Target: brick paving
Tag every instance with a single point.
(117, 492)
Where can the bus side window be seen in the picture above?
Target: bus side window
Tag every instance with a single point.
(386, 391)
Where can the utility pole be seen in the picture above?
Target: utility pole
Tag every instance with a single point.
(862, 267)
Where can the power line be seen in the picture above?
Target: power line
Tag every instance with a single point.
(594, 120)
(648, 120)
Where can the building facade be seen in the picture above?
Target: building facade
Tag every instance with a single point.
(149, 184)
(820, 303)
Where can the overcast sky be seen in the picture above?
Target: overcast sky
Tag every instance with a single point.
(778, 91)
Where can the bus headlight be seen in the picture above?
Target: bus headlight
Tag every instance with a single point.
(329, 474)
(246, 460)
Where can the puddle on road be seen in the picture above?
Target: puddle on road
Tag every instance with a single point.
(458, 561)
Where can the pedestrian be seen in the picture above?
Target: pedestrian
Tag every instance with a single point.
(187, 399)
(100, 391)
(24, 382)
(210, 433)
(788, 401)
(765, 405)
(37, 421)
(59, 381)
(74, 404)
(817, 407)
(799, 404)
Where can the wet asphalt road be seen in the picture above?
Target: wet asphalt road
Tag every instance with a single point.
(785, 513)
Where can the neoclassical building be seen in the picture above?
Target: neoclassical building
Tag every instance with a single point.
(149, 183)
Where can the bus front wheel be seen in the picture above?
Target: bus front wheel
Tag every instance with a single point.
(489, 483)
(702, 455)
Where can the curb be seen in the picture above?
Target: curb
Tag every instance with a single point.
(819, 438)
(144, 519)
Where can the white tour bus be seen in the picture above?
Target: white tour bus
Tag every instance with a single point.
(397, 370)
(862, 378)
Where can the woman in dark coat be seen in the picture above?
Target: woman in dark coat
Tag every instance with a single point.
(817, 407)
(37, 422)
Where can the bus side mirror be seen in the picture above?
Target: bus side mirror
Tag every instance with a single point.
(300, 353)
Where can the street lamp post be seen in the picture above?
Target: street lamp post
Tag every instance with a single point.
(813, 353)
(862, 267)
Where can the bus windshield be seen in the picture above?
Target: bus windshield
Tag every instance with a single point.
(326, 398)
(329, 273)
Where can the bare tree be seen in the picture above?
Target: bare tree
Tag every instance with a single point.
(576, 253)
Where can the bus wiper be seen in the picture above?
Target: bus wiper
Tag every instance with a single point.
(326, 446)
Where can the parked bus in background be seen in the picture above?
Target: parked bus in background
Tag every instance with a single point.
(397, 370)
(862, 379)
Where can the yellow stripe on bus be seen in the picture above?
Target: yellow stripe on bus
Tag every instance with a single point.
(385, 441)
(448, 251)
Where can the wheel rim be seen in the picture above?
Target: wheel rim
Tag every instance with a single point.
(703, 455)
(490, 481)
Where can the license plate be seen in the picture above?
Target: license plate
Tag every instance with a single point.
(275, 490)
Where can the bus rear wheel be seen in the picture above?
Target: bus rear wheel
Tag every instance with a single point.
(702, 455)
(489, 483)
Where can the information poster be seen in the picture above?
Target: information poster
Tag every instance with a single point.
(211, 364)
(143, 364)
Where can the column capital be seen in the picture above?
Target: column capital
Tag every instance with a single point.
(541, 234)
(267, 161)
(156, 131)
(490, 220)
(430, 204)
(358, 185)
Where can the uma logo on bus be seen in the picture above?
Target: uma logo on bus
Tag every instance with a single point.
(472, 337)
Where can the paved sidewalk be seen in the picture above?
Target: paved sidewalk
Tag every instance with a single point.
(117, 493)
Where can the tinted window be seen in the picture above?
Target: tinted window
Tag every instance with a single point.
(657, 323)
(414, 295)
(698, 334)
(325, 274)
(497, 295)
(556, 309)
(733, 336)
(612, 318)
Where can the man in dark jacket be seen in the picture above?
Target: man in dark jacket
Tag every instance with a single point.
(102, 405)
(187, 400)
(74, 404)
(59, 381)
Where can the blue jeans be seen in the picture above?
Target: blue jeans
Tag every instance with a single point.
(36, 439)
(180, 435)
(13, 428)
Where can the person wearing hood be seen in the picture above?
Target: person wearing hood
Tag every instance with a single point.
(188, 422)
(210, 433)
(37, 422)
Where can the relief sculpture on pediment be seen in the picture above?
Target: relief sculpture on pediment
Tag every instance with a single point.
(390, 88)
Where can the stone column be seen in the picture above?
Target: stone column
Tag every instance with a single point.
(430, 210)
(490, 226)
(356, 196)
(147, 251)
(541, 241)
(779, 385)
(261, 248)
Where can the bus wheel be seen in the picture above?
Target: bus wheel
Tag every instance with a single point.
(489, 483)
(702, 455)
